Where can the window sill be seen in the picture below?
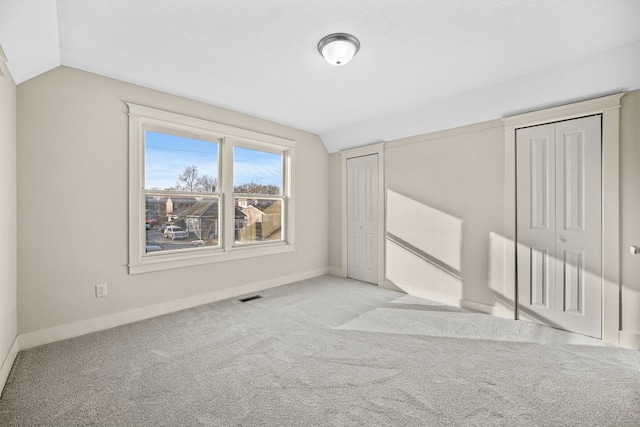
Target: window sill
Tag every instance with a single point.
(159, 262)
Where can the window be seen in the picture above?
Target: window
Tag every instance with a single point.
(181, 192)
(257, 193)
(204, 192)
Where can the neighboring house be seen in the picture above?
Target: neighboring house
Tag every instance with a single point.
(265, 224)
(201, 218)
(252, 214)
(177, 204)
(272, 222)
(162, 208)
(252, 228)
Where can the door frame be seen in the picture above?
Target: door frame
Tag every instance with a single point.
(361, 152)
(609, 108)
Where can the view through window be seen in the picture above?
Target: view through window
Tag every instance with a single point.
(257, 180)
(183, 193)
(182, 200)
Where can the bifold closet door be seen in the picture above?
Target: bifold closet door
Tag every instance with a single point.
(559, 224)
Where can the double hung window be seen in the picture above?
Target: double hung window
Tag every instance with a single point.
(204, 192)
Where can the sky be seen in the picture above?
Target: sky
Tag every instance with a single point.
(167, 155)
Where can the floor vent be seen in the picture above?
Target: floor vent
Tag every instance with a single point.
(247, 299)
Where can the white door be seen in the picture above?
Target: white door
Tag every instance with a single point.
(559, 225)
(362, 218)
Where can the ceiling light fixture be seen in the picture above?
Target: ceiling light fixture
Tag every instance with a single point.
(338, 48)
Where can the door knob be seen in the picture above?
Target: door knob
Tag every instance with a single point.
(635, 250)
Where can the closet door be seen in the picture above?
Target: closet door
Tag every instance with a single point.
(536, 223)
(362, 218)
(559, 230)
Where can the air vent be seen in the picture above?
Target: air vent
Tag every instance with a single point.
(247, 299)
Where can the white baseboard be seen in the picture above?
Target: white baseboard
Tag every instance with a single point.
(432, 296)
(388, 284)
(338, 272)
(476, 306)
(8, 362)
(58, 333)
(629, 340)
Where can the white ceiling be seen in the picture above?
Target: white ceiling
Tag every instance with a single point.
(424, 65)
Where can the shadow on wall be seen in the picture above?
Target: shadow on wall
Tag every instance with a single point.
(424, 253)
(424, 250)
(423, 258)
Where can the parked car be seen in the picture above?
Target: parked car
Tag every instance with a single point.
(163, 227)
(174, 232)
(148, 226)
(153, 248)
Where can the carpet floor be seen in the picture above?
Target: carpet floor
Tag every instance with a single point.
(325, 352)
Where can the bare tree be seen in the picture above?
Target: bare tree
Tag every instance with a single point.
(256, 188)
(207, 183)
(188, 180)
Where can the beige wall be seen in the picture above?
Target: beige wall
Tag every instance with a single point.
(73, 204)
(8, 239)
(461, 172)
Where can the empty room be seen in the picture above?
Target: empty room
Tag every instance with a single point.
(336, 213)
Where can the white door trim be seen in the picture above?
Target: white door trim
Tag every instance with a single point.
(609, 107)
(359, 152)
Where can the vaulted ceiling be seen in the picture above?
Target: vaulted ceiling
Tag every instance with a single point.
(424, 65)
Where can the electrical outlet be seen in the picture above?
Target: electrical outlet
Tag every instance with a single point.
(101, 290)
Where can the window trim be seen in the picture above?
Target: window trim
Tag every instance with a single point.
(143, 118)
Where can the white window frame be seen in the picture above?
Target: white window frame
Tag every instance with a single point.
(143, 118)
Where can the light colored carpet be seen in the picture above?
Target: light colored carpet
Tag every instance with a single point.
(325, 352)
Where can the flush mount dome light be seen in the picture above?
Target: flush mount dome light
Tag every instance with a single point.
(338, 48)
